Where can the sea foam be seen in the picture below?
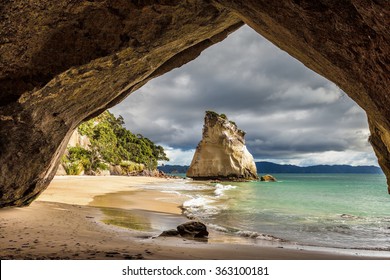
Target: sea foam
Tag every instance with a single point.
(220, 189)
(205, 206)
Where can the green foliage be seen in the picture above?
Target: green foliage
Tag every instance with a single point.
(215, 115)
(233, 123)
(79, 159)
(129, 167)
(212, 113)
(72, 168)
(115, 144)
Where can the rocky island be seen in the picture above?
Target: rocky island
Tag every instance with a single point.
(222, 154)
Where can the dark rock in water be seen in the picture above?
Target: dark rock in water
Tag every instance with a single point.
(348, 216)
(193, 229)
(170, 232)
(268, 178)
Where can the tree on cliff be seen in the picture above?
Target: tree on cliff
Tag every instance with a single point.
(112, 143)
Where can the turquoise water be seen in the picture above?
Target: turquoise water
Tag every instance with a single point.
(336, 210)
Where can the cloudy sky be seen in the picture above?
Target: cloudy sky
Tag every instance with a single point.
(291, 114)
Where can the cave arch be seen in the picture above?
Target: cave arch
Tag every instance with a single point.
(62, 62)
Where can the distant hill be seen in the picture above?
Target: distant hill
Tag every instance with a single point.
(270, 167)
(173, 168)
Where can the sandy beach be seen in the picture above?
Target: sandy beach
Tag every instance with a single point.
(74, 219)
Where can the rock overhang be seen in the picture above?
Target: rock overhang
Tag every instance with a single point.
(62, 62)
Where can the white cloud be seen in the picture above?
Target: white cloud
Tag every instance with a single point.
(178, 156)
(308, 96)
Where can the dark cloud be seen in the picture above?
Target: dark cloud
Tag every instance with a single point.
(288, 111)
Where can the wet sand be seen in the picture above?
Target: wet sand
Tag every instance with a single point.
(74, 219)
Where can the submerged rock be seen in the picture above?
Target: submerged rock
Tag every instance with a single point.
(348, 216)
(222, 154)
(268, 178)
(193, 229)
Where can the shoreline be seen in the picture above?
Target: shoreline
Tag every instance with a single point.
(67, 222)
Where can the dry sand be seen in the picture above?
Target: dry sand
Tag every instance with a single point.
(66, 222)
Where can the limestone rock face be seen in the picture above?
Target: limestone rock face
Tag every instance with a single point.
(65, 61)
(222, 154)
(79, 140)
(61, 171)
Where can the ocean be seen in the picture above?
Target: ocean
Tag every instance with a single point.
(349, 211)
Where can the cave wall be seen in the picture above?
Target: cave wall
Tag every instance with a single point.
(65, 61)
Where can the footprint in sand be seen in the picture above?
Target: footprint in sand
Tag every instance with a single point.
(111, 254)
(133, 257)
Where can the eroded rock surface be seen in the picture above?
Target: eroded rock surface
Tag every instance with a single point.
(222, 154)
(62, 62)
(65, 61)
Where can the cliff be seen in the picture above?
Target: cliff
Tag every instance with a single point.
(78, 140)
(222, 154)
(103, 143)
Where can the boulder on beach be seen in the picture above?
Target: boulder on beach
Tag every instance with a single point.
(193, 229)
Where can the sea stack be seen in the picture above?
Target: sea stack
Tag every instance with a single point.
(222, 154)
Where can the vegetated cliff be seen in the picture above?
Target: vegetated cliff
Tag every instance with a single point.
(222, 154)
(65, 61)
(103, 145)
